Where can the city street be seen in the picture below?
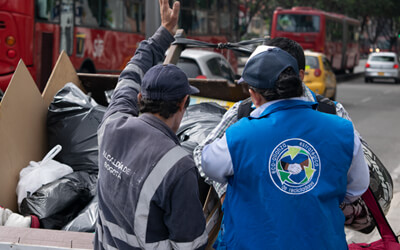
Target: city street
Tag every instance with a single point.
(375, 110)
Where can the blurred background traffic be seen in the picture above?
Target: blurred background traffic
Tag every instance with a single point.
(100, 35)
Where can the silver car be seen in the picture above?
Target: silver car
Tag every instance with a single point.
(205, 64)
(382, 65)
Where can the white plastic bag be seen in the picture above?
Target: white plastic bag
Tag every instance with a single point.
(36, 174)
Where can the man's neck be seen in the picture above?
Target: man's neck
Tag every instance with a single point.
(170, 122)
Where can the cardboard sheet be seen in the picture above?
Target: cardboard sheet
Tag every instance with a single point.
(23, 112)
(22, 132)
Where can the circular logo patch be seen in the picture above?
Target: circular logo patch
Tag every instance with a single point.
(294, 166)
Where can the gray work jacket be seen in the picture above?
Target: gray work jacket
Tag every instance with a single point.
(141, 204)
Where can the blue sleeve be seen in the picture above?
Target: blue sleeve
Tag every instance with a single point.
(148, 54)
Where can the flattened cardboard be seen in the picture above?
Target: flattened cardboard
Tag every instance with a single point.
(62, 73)
(23, 113)
(22, 132)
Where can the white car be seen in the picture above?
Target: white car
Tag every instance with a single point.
(382, 65)
(205, 64)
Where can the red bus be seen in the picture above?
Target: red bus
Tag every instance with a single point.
(99, 36)
(335, 35)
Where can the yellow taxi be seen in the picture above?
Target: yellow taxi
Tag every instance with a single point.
(319, 76)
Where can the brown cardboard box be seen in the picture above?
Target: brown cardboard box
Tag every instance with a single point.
(23, 138)
(23, 112)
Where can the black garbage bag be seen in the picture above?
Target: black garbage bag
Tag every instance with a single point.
(57, 203)
(86, 219)
(198, 121)
(72, 122)
(380, 183)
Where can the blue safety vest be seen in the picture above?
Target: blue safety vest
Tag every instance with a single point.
(290, 176)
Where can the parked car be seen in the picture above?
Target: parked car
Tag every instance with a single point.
(205, 64)
(382, 65)
(319, 76)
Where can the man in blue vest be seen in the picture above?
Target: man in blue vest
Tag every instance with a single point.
(288, 166)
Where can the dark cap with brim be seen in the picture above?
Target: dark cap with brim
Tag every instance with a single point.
(166, 83)
(264, 67)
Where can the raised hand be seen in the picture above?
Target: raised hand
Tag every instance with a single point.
(169, 17)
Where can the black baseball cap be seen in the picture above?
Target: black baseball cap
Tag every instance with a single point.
(166, 82)
(265, 65)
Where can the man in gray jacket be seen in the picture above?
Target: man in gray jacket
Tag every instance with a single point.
(148, 193)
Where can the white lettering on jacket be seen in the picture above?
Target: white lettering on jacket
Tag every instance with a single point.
(114, 166)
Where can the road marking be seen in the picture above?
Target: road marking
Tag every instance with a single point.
(366, 99)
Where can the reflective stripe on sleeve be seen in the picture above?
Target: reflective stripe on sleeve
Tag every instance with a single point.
(130, 69)
(198, 242)
(118, 232)
(100, 238)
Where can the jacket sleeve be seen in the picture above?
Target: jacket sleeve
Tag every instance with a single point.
(149, 53)
(184, 215)
(229, 118)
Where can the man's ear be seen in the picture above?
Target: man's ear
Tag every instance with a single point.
(256, 98)
(139, 97)
(301, 74)
(182, 103)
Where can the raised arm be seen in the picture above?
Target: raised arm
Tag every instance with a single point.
(149, 53)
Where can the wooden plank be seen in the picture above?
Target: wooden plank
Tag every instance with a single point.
(209, 88)
(220, 89)
(175, 51)
(46, 237)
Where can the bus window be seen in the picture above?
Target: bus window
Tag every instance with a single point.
(224, 16)
(133, 16)
(298, 23)
(87, 13)
(67, 26)
(334, 31)
(353, 33)
(48, 10)
(113, 14)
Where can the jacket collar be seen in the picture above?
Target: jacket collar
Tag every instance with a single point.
(160, 125)
(284, 104)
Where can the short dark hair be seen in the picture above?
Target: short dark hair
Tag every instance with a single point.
(288, 85)
(164, 108)
(291, 47)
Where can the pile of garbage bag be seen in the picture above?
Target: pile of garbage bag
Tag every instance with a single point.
(67, 199)
(63, 200)
(197, 122)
